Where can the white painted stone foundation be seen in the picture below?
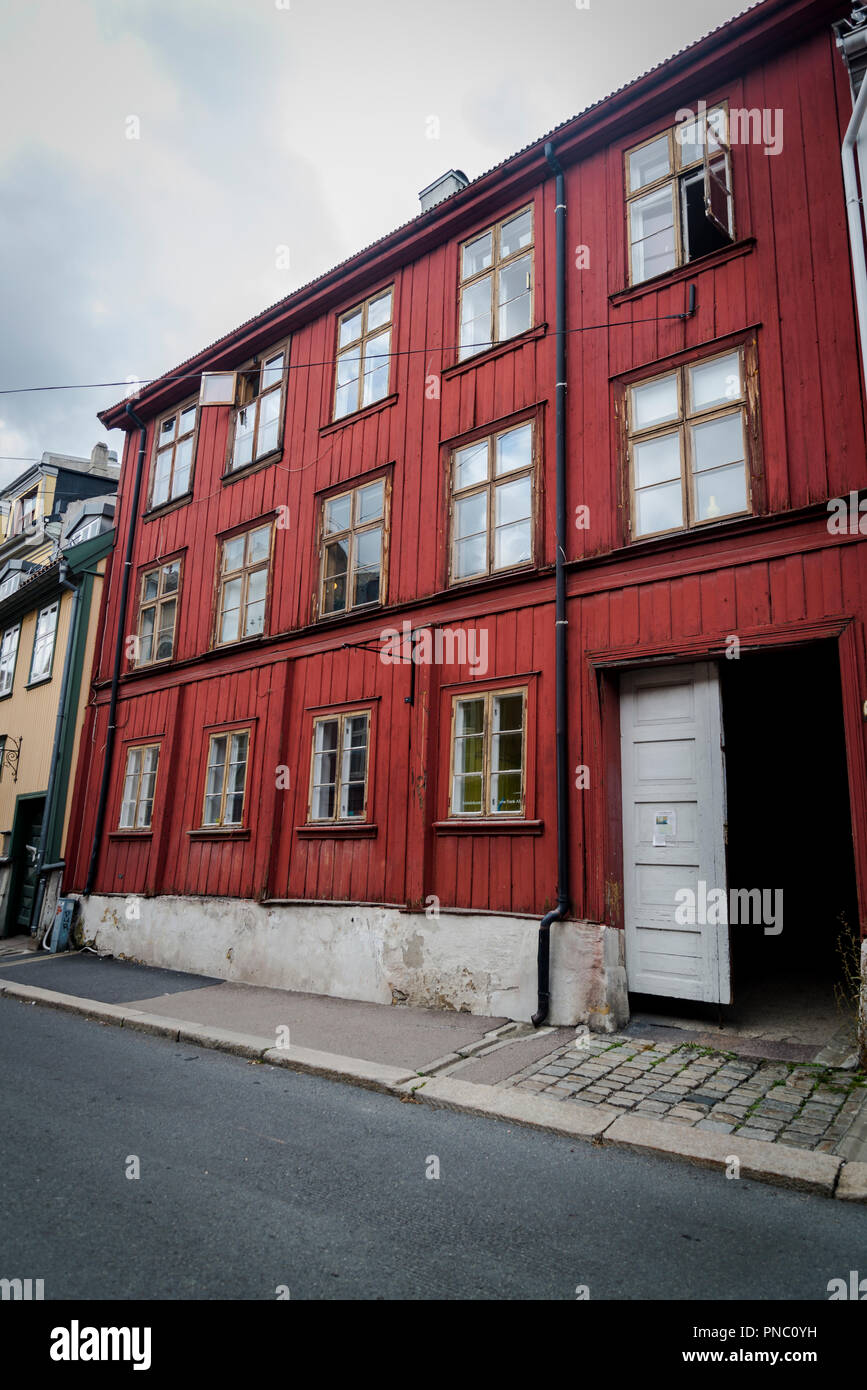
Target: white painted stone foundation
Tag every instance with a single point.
(477, 963)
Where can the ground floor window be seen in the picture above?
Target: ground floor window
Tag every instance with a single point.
(226, 779)
(488, 763)
(338, 775)
(139, 786)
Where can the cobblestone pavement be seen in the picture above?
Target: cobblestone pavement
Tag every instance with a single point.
(801, 1104)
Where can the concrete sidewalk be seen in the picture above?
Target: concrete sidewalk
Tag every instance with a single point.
(793, 1123)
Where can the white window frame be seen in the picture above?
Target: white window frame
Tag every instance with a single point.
(43, 641)
(9, 657)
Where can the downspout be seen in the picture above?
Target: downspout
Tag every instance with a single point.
(852, 144)
(59, 726)
(118, 655)
(561, 745)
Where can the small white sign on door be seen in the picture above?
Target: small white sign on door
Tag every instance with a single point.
(664, 827)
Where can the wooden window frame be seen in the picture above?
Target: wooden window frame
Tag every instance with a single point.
(339, 717)
(454, 495)
(173, 497)
(382, 521)
(686, 417)
(493, 270)
(135, 828)
(16, 628)
(678, 173)
(157, 604)
(361, 343)
(245, 572)
(256, 367)
(46, 675)
(228, 734)
(488, 695)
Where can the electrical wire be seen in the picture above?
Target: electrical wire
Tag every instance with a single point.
(326, 362)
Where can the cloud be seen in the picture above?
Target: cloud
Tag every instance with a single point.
(259, 126)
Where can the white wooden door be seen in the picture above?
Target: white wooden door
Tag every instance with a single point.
(674, 833)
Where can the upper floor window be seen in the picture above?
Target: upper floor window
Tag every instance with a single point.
(687, 445)
(8, 655)
(352, 535)
(496, 284)
(158, 609)
(43, 643)
(85, 531)
(173, 462)
(338, 777)
(259, 416)
(363, 354)
(139, 787)
(488, 737)
(226, 780)
(679, 195)
(10, 583)
(25, 511)
(492, 504)
(244, 567)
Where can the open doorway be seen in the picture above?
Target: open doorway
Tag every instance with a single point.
(789, 831)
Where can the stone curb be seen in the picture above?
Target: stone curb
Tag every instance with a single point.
(776, 1163)
(374, 1076)
(579, 1121)
(803, 1169)
(852, 1186)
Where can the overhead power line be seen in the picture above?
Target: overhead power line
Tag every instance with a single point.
(326, 362)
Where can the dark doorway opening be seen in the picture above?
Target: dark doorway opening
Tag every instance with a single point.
(23, 852)
(789, 830)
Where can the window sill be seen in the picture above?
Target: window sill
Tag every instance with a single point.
(41, 680)
(488, 827)
(130, 834)
(232, 474)
(360, 609)
(359, 414)
(154, 513)
(494, 578)
(147, 668)
(256, 640)
(717, 523)
(498, 350)
(683, 272)
(217, 832)
(342, 830)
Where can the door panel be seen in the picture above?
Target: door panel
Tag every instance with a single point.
(673, 830)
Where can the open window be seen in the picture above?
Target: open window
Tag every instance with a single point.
(679, 202)
(258, 424)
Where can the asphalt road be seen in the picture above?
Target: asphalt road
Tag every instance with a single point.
(252, 1177)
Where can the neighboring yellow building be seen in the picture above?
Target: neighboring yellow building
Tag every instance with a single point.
(57, 533)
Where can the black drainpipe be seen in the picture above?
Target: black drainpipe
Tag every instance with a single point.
(562, 749)
(118, 655)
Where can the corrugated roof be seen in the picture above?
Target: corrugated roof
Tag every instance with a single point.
(433, 212)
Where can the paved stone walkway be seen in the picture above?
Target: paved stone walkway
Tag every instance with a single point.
(801, 1104)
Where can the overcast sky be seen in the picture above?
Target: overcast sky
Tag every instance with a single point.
(262, 124)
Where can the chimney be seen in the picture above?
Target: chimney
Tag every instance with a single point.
(442, 188)
(103, 462)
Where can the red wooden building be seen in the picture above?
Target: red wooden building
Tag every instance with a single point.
(377, 453)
